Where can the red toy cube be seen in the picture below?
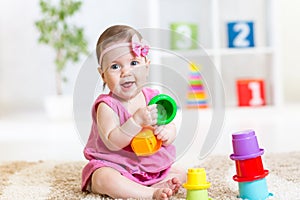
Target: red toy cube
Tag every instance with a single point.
(251, 92)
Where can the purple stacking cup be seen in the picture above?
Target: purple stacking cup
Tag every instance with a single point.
(245, 145)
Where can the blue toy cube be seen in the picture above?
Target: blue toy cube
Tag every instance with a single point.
(240, 34)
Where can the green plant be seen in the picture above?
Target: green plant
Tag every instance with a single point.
(66, 39)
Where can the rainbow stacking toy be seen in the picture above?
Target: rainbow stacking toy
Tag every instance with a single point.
(196, 184)
(249, 168)
(196, 96)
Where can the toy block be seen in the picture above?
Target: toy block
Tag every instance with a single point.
(184, 36)
(251, 92)
(240, 34)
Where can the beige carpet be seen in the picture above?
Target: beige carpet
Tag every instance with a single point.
(61, 180)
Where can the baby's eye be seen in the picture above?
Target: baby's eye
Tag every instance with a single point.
(115, 67)
(134, 62)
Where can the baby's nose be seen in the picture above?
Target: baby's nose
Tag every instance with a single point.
(126, 70)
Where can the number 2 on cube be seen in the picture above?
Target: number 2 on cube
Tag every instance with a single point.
(240, 34)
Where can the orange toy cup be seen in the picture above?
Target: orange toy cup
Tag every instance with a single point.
(145, 142)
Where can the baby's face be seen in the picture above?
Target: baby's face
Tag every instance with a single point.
(124, 73)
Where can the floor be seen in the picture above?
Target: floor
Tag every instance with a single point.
(32, 136)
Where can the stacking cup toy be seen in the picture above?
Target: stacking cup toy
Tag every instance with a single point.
(196, 184)
(166, 107)
(254, 190)
(249, 170)
(197, 195)
(249, 167)
(245, 146)
(145, 142)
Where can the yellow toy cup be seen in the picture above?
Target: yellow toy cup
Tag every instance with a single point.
(196, 179)
(196, 184)
(145, 142)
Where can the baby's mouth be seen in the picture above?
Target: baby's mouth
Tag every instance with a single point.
(127, 84)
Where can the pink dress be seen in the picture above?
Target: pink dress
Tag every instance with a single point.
(146, 170)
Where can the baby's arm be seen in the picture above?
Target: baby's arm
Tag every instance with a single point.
(116, 137)
(166, 133)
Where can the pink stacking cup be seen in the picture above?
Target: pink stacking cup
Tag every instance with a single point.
(245, 145)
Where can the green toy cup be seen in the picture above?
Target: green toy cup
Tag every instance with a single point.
(166, 107)
(197, 195)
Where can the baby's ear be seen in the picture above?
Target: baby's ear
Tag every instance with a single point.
(100, 70)
(101, 73)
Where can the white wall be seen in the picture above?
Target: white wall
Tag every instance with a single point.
(26, 68)
(290, 42)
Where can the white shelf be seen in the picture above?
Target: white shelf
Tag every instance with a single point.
(256, 50)
(220, 52)
(211, 16)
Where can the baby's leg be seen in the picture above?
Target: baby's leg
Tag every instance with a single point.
(110, 182)
(175, 178)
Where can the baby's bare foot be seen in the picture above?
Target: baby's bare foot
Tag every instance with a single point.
(174, 184)
(162, 194)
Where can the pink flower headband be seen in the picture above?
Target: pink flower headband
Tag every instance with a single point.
(140, 48)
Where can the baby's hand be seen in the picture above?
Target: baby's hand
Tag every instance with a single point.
(146, 116)
(166, 133)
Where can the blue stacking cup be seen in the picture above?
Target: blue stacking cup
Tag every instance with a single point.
(254, 190)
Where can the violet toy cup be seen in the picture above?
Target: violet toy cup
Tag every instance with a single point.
(245, 145)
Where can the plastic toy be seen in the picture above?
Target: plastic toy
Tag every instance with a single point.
(183, 35)
(251, 92)
(166, 107)
(145, 143)
(249, 168)
(196, 95)
(240, 34)
(196, 184)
